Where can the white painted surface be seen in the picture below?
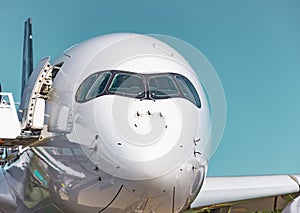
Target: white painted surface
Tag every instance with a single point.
(9, 123)
(294, 207)
(296, 178)
(38, 114)
(227, 189)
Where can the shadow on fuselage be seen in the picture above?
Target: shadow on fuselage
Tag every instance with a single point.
(59, 174)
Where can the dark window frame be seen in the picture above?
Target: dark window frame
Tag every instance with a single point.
(146, 94)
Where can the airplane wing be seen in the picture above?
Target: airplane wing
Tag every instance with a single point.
(219, 192)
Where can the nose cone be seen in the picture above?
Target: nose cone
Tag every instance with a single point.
(146, 129)
(142, 139)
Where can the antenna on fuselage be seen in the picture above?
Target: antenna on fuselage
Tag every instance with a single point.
(27, 54)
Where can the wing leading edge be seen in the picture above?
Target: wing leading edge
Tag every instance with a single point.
(220, 190)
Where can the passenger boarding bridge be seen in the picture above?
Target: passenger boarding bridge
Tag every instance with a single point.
(26, 127)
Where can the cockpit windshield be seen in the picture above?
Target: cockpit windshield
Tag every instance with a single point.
(188, 89)
(142, 86)
(92, 87)
(162, 86)
(127, 84)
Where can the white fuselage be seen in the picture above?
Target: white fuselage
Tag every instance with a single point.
(124, 151)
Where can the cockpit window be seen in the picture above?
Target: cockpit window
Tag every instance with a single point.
(92, 87)
(84, 88)
(188, 90)
(162, 86)
(127, 84)
(98, 85)
(142, 86)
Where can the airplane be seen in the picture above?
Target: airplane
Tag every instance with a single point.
(122, 123)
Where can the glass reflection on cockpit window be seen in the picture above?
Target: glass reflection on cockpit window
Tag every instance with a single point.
(188, 90)
(98, 86)
(162, 86)
(84, 88)
(127, 84)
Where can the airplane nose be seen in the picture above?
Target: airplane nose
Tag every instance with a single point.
(148, 129)
(142, 139)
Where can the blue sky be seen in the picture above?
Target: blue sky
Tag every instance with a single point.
(253, 45)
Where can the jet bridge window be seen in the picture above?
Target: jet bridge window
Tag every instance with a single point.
(162, 86)
(128, 85)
